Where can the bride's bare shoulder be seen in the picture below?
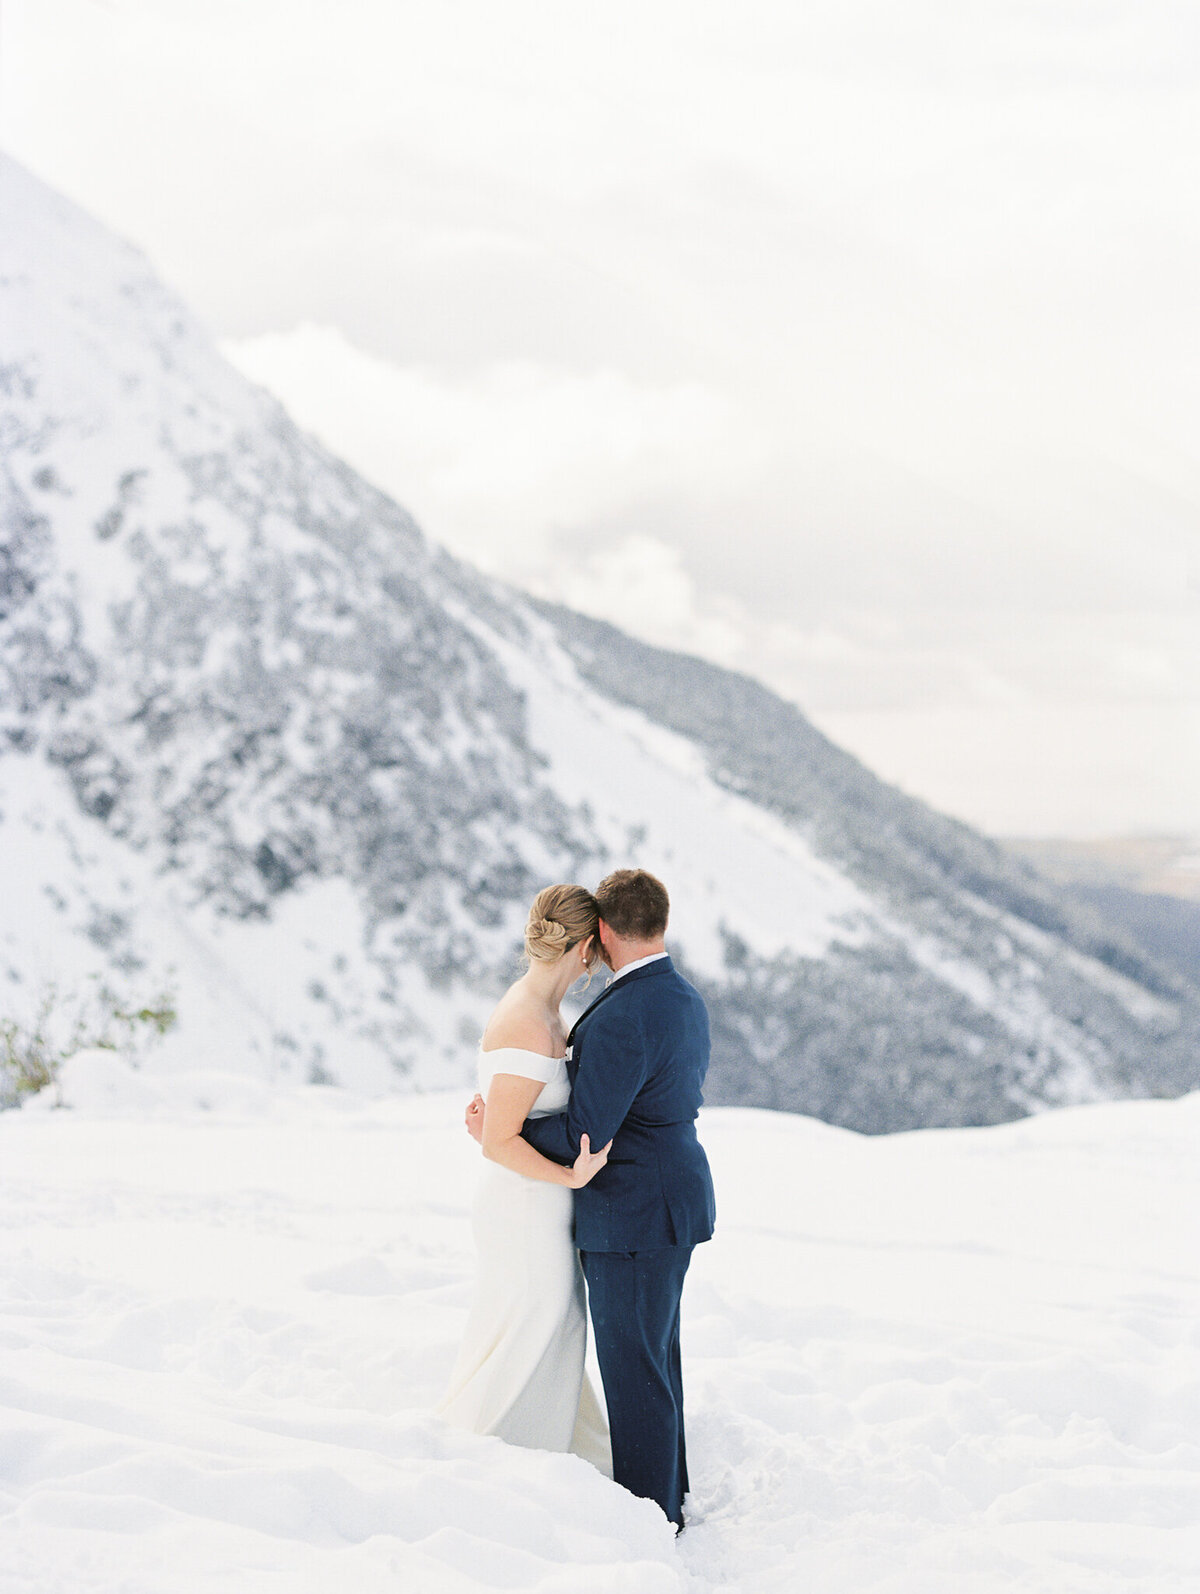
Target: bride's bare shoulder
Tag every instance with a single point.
(516, 1022)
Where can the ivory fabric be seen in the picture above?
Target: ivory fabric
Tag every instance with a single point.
(520, 1373)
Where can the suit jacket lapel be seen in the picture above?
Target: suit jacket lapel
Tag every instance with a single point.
(659, 966)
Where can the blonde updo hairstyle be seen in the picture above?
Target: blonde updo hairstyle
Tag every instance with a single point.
(560, 918)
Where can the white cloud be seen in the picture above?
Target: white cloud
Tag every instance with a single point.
(503, 463)
(641, 585)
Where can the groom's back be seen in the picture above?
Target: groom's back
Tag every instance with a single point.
(674, 1025)
(656, 1189)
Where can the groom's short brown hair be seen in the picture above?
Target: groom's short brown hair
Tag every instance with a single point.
(634, 904)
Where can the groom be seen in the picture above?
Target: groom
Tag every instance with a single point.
(637, 1060)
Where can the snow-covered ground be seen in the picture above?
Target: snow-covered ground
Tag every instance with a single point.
(961, 1360)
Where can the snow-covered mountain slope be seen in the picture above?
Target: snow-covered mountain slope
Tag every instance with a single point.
(963, 1360)
(272, 757)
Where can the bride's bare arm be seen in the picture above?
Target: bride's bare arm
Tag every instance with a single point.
(509, 1099)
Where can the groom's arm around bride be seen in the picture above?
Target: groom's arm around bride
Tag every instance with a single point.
(638, 1059)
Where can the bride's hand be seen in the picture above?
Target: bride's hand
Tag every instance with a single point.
(588, 1163)
(473, 1118)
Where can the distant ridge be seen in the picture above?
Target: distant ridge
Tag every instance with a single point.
(1161, 864)
(1147, 885)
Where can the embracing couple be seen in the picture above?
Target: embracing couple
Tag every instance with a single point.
(596, 1173)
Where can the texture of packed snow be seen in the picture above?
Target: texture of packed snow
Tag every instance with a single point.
(959, 1360)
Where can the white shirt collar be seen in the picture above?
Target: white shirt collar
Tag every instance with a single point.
(640, 964)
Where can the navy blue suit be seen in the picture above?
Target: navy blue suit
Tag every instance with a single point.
(637, 1062)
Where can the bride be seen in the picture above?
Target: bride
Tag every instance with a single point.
(520, 1373)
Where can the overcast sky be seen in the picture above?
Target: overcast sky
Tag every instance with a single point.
(853, 344)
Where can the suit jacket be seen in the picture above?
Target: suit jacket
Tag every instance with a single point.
(637, 1062)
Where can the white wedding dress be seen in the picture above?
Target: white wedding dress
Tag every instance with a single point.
(520, 1372)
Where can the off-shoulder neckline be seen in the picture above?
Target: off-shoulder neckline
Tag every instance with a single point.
(525, 1051)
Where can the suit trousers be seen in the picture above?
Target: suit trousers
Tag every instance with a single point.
(633, 1297)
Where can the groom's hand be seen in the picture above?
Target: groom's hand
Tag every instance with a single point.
(473, 1118)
